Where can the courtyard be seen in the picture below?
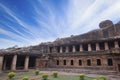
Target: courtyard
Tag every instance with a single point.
(59, 39)
(61, 76)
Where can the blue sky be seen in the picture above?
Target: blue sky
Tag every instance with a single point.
(30, 22)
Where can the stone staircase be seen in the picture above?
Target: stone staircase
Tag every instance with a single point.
(85, 71)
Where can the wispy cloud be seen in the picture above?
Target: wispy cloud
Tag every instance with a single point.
(94, 12)
(9, 43)
(70, 17)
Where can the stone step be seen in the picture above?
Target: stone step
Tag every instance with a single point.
(86, 71)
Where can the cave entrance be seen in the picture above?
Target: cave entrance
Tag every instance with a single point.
(7, 62)
(32, 61)
(20, 62)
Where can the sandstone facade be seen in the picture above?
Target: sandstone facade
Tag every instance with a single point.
(97, 49)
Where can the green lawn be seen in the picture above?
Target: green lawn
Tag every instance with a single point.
(66, 77)
(19, 75)
(60, 77)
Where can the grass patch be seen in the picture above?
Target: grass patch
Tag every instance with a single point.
(50, 77)
(21, 75)
(66, 77)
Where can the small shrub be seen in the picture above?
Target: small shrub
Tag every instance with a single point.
(81, 76)
(25, 78)
(37, 72)
(45, 76)
(55, 74)
(102, 78)
(11, 75)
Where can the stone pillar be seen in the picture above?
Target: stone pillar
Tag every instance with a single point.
(106, 46)
(1, 62)
(26, 63)
(61, 49)
(55, 50)
(73, 49)
(97, 47)
(116, 44)
(89, 47)
(14, 61)
(67, 49)
(81, 48)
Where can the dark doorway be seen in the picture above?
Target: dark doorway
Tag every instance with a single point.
(119, 43)
(111, 44)
(70, 48)
(77, 47)
(64, 62)
(93, 47)
(85, 47)
(32, 61)
(110, 62)
(50, 49)
(58, 49)
(7, 62)
(20, 62)
(57, 62)
(63, 48)
(80, 62)
(88, 62)
(72, 63)
(98, 62)
(101, 45)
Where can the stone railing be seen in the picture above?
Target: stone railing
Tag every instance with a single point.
(115, 50)
(111, 51)
(82, 53)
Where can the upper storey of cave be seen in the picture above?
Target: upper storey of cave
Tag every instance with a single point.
(107, 30)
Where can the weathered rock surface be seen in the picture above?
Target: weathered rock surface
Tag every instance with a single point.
(107, 31)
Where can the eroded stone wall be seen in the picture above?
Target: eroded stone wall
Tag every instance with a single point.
(93, 58)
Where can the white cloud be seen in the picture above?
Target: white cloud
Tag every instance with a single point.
(79, 16)
(28, 28)
(86, 15)
(13, 35)
(9, 43)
